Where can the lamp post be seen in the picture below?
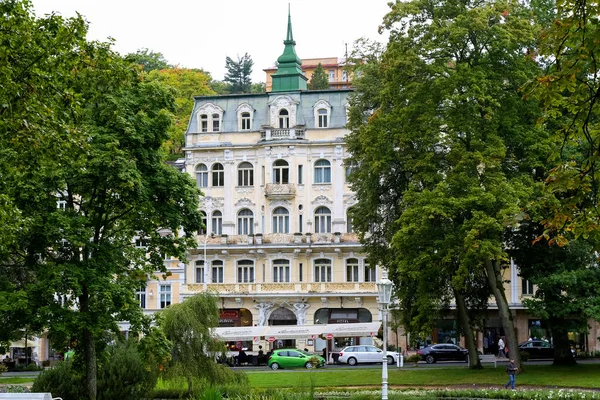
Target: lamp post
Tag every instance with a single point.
(384, 290)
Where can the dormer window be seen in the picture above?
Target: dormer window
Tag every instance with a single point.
(322, 114)
(210, 117)
(284, 119)
(245, 113)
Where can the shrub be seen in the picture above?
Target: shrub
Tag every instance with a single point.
(62, 381)
(414, 358)
(124, 375)
(3, 368)
(46, 363)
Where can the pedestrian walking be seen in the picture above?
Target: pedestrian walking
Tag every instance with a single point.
(500, 348)
(511, 370)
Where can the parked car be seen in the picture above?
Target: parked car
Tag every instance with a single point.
(293, 358)
(537, 349)
(362, 354)
(443, 352)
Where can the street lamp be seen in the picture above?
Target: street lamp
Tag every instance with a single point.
(384, 289)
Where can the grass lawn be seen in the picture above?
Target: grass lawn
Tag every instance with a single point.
(16, 381)
(585, 376)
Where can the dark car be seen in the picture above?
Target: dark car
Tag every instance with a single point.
(443, 352)
(537, 349)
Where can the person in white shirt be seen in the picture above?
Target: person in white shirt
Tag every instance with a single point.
(500, 348)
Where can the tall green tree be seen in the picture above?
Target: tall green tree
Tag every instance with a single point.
(239, 73)
(446, 148)
(81, 137)
(566, 277)
(319, 79)
(188, 326)
(149, 60)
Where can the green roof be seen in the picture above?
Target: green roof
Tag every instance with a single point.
(289, 74)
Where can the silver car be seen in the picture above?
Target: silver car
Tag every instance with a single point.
(353, 355)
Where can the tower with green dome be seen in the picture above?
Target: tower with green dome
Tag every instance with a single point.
(289, 76)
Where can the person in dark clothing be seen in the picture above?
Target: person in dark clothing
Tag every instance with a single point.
(241, 357)
(261, 356)
(511, 370)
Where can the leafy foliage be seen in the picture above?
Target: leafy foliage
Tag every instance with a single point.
(570, 91)
(319, 79)
(239, 73)
(188, 326)
(186, 83)
(149, 60)
(445, 148)
(86, 130)
(62, 381)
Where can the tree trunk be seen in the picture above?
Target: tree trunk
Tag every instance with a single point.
(465, 324)
(494, 276)
(560, 341)
(89, 348)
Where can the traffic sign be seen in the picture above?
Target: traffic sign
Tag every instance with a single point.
(329, 336)
(271, 339)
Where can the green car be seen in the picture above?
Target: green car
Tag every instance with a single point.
(292, 358)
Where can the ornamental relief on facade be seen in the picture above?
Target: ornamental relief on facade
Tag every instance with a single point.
(279, 203)
(322, 238)
(212, 203)
(278, 238)
(244, 202)
(322, 200)
(340, 287)
(282, 102)
(209, 108)
(349, 200)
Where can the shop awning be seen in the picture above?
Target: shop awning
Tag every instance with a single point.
(294, 331)
(346, 330)
(239, 332)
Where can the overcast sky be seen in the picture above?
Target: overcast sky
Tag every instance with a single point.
(200, 33)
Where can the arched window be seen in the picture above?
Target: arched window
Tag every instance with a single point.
(217, 271)
(218, 175)
(281, 172)
(216, 122)
(322, 114)
(245, 222)
(352, 270)
(203, 228)
(202, 175)
(245, 271)
(200, 271)
(246, 121)
(284, 119)
(203, 123)
(322, 171)
(281, 220)
(322, 220)
(245, 174)
(281, 271)
(322, 270)
(217, 223)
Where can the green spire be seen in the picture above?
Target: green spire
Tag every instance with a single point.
(289, 74)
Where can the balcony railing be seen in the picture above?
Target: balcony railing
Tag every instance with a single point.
(280, 190)
(275, 288)
(268, 133)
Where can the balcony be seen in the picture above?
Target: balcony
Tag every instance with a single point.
(268, 133)
(280, 191)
